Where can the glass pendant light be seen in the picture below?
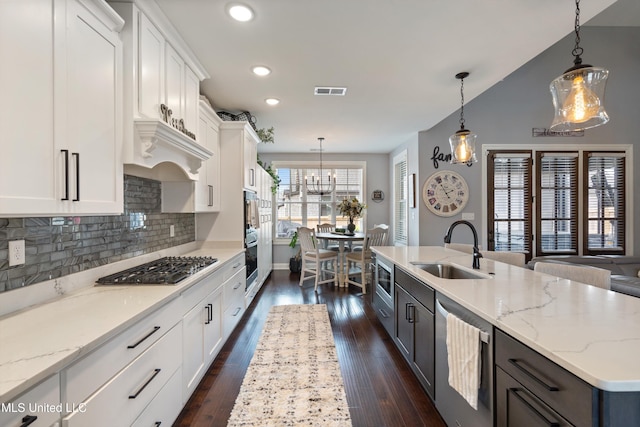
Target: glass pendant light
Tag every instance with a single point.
(463, 142)
(578, 94)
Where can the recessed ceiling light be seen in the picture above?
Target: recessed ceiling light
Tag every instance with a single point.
(272, 101)
(261, 70)
(240, 12)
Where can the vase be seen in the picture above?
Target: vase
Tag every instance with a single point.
(351, 227)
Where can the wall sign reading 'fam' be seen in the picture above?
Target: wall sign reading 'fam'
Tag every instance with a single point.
(445, 193)
(442, 157)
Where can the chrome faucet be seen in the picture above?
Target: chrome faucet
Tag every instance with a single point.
(476, 252)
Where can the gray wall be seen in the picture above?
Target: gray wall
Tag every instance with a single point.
(506, 113)
(377, 178)
(58, 246)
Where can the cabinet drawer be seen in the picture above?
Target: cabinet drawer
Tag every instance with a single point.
(123, 398)
(517, 406)
(555, 386)
(89, 374)
(384, 312)
(196, 293)
(165, 407)
(233, 301)
(41, 402)
(232, 267)
(420, 291)
(233, 295)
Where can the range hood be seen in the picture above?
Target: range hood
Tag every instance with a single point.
(156, 142)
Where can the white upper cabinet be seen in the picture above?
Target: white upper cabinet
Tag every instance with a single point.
(61, 113)
(161, 91)
(202, 195)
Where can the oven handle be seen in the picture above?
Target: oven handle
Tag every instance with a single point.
(484, 336)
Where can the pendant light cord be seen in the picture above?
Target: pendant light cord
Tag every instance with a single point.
(461, 103)
(577, 50)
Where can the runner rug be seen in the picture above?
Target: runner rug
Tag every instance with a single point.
(294, 377)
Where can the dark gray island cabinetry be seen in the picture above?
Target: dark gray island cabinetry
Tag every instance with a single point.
(414, 331)
(533, 391)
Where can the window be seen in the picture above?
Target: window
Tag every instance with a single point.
(605, 203)
(509, 204)
(400, 235)
(557, 207)
(559, 192)
(295, 207)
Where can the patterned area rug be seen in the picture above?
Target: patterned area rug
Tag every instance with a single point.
(294, 377)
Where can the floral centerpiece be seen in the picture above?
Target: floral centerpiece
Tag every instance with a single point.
(351, 208)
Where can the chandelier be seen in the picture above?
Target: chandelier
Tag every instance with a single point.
(318, 185)
(578, 94)
(463, 142)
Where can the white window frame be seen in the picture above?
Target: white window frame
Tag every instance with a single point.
(312, 164)
(399, 240)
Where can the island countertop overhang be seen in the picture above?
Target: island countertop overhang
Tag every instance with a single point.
(591, 332)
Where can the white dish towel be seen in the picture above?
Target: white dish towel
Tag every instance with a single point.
(463, 357)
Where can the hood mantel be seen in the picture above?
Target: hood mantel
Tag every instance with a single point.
(158, 142)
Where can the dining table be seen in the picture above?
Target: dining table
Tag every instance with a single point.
(341, 238)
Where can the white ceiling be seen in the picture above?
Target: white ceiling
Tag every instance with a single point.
(397, 59)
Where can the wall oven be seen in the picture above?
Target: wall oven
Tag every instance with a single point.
(251, 225)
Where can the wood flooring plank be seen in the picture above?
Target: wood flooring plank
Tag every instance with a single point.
(381, 389)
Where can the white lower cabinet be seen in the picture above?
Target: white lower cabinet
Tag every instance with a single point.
(165, 407)
(234, 301)
(38, 407)
(123, 398)
(202, 330)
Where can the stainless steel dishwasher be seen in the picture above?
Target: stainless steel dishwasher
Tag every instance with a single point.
(454, 409)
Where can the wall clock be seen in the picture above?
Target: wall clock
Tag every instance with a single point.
(445, 193)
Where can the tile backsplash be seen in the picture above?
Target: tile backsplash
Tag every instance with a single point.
(58, 246)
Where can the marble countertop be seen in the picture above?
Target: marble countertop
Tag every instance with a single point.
(591, 332)
(40, 340)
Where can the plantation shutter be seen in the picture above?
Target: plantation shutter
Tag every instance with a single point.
(509, 201)
(400, 200)
(605, 203)
(557, 207)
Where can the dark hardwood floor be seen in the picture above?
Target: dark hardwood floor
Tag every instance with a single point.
(381, 389)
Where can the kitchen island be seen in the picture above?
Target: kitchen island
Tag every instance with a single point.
(590, 332)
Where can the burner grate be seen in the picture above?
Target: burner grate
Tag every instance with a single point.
(164, 271)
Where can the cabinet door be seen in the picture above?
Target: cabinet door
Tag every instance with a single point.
(151, 70)
(30, 164)
(516, 406)
(93, 120)
(249, 160)
(424, 348)
(208, 185)
(193, 353)
(404, 326)
(191, 99)
(213, 325)
(174, 75)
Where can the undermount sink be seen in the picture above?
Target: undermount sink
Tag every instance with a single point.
(447, 271)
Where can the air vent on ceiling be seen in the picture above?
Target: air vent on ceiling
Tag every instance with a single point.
(325, 90)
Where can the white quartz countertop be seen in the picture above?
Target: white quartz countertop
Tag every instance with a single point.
(39, 341)
(591, 332)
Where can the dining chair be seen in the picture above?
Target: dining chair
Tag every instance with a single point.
(590, 275)
(361, 261)
(513, 258)
(331, 245)
(384, 227)
(314, 259)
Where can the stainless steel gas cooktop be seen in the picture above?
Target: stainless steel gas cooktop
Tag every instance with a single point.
(163, 271)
